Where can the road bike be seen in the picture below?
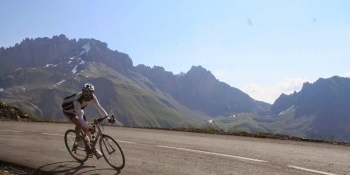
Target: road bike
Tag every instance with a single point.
(110, 149)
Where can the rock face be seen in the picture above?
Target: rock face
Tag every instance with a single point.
(200, 90)
(327, 100)
(8, 112)
(34, 76)
(42, 51)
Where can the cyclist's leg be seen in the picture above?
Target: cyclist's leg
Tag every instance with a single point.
(97, 153)
(78, 125)
(72, 117)
(86, 131)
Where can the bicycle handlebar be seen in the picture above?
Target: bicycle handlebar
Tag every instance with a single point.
(99, 120)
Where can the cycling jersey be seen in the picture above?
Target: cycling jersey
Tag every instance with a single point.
(74, 105)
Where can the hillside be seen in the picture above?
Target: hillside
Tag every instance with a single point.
(199, 90)
(37, 74)
(320, 111)
(326, 102)
(40, 90)
(8, 112)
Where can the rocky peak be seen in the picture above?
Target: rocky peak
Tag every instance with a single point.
(316, 98)
(198, 71)
(199, 90)
(42, 51)
(198, 76)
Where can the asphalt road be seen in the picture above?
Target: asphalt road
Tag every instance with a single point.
(41, 146)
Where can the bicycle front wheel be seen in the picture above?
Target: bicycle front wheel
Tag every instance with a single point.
(112, 152)
(78, 153)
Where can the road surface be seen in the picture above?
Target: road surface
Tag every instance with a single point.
(41, 146)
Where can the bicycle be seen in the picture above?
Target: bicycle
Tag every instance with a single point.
(108, 146)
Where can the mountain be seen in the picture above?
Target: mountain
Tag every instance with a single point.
(199, 90)
(43, 51)
(320, 110)
(37, 74)
(326, 102)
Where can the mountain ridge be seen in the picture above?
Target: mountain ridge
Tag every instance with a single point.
(59, 65)
(331, 112)
(320, 110)
(153, 97)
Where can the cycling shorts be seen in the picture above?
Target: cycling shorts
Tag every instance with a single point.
(70, 115)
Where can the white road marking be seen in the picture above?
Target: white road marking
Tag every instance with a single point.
(310, 170)
(219, 154)
(53, 134)
(126, 142)
(10, 131)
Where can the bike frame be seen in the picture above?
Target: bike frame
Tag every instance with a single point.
(109, 145)
(98, 135)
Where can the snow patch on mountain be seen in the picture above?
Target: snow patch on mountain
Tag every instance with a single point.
(47, 65)
(76, 76)
(287, 111)
(62, 81)
(86, 48)
(74, 69)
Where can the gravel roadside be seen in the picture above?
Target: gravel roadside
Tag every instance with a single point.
(14, 169)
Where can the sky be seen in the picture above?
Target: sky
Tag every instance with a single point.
(262, 47)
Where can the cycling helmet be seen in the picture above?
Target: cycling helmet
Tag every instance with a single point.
(88, 89)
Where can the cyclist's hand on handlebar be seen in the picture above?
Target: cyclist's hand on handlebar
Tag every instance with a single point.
(111, 119)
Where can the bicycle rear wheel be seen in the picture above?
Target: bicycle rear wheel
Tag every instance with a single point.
(78, 153)
(112, 152)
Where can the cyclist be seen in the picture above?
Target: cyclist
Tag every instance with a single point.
(73, 109)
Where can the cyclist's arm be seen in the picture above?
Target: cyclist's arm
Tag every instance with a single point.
(80, 114)
(98, 107)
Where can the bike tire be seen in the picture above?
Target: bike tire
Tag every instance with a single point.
(80, 154)
(111, 149)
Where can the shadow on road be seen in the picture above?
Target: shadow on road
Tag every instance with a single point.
(99, 171)
(65, 167)
(69, 168)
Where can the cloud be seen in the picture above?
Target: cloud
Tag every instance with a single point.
(291, 84)
(270, 93)
(347, 75)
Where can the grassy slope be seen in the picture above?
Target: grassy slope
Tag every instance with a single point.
(117, 94)
(197, 116)
(252, 123)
